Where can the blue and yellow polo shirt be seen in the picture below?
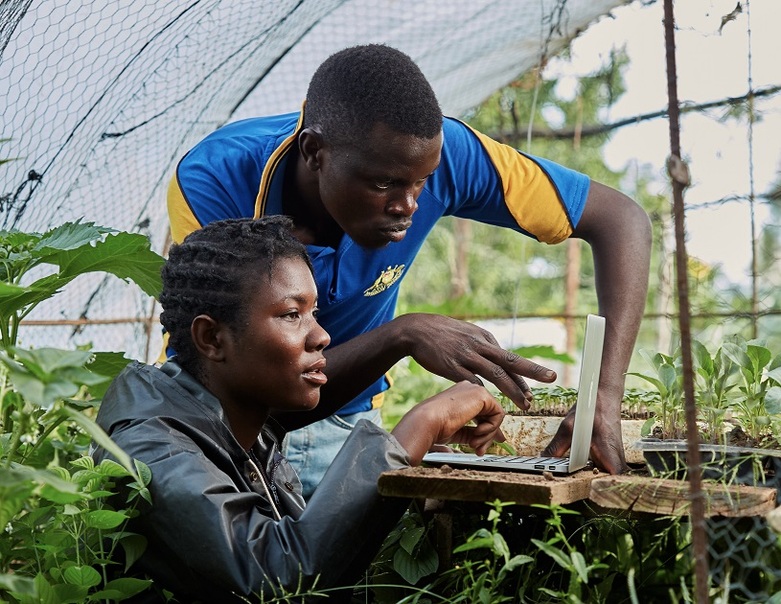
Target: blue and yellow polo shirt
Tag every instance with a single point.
(238, 171)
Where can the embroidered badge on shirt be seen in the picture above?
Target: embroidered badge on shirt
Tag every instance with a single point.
(387, 278)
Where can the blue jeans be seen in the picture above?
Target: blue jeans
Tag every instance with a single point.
(312, 449)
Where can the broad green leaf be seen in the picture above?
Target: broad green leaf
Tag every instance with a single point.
(17, 584)
(121, 589)
(126, 255)
(102, 439)
(55, 495)
(703, 357)
(50, 360)
(668, 376)
(42, 477)
(657, 383)
(775, 375)
(14, 298)
(411, 537)
(71, 594)
(133, 545)
(44, 592)
(773, 400)
(648, 426)
(104, 519)
(760, 356)
(70, 236)
(33, 389)
(737, 355)
(108, 364)
(109, 467)
(85, 576)
(412, 569)
(15, 489)
(514, 563)
(500, 547)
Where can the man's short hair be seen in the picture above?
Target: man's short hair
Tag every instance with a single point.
(361, 86)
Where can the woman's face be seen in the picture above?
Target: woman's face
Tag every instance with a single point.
(276, 356)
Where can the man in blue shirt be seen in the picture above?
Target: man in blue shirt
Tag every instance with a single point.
(365, 170)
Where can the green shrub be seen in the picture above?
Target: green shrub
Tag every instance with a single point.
(63, 527)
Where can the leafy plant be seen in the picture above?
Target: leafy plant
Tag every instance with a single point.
(484, 577)
(667, 380)
(63, 525)
(757, 373)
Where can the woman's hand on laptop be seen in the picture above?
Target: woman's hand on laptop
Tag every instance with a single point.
(443, 418)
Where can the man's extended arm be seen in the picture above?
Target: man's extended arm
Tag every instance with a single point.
(619, 233)
(453, 349)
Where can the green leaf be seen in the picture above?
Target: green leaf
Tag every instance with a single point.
(49, 360)
(70, 236)
(15, 298)
(109, 467)
(558, 555)
(17, 584)
(102, 439)
(85, 576)
(514, 563)
(412, 569)
(44, 592)
(773, 400)
(647, 426)
(108, 364)
(126, 255)
(668, 376)
(703, 357)
(411, 537)
(15, 489)
(579, 563)
(500, 547)
(133, 545)
(122, 589)
(657, 383)
(104, 519)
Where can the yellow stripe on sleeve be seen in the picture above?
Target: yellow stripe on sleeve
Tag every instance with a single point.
(528, 192)
(180, 216)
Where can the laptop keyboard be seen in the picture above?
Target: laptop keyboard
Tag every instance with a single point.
(539, 463)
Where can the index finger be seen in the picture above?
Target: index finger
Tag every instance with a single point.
(508, 372)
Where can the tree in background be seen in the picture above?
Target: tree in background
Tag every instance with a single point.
(470, 270)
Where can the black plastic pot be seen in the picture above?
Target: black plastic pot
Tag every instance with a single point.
(730, 465)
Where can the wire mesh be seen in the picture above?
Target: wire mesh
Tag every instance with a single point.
(101, 99)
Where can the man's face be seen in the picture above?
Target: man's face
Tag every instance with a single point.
(370, 189)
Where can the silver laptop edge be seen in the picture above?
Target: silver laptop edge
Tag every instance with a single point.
(591, 362)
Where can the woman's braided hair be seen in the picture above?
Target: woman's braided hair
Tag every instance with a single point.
(212, 270)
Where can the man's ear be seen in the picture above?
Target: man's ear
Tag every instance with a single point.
(310, 144)
(209, 337)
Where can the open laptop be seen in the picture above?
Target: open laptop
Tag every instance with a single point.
(591, 362)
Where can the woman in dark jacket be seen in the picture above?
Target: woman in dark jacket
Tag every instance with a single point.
(228, 520)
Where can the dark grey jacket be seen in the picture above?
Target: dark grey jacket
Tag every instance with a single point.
(214, 528)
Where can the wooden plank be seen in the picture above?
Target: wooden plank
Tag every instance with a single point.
(671, 497)
(451, 484)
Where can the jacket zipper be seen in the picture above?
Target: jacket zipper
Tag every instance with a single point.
(277, 515)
